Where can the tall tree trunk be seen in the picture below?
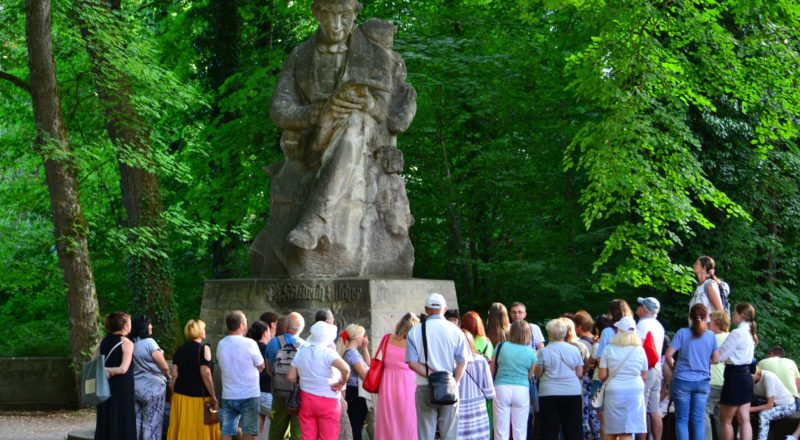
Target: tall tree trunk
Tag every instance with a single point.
(51, 142)
(149, 272)
(224, 59)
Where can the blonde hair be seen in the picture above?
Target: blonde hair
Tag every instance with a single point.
(556, 329)
(624, 338)
(571, 335)
(194, 329)
(352, 331)
(520, 332)
(406, 323)
(721, 319)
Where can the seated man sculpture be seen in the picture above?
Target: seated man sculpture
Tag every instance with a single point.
(338, 204)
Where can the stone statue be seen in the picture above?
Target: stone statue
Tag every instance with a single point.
(338, 203)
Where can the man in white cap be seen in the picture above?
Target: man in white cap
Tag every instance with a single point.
(647, 311)
(447, 351)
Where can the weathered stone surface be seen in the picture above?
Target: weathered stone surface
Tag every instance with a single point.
(375, 303)
(338, 205)
(37, 384)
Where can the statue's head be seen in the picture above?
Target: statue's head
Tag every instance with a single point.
(336, 18)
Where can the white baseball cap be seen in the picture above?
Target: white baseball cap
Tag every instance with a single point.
(435, 302)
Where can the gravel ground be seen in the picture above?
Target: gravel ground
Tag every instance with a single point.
(43, 425)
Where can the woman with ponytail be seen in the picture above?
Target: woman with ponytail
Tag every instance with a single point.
(737, 390)
(691, 382)
(707, 290)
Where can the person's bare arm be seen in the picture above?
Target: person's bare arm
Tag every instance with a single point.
(365, 350)
(579, 371)
(158, 357)
(602, 374)
(714, 297)
(539, 370)
(715, 357)
(208, 381)
(532, 372)
(174, 378)
(343, 368)
(769, 405)
(670, 358)
(361, 370)
(459, 371)
(418, 368)
(127, 356)
(291, 375)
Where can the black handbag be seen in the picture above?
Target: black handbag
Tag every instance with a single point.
(293, 400)
(442, 384)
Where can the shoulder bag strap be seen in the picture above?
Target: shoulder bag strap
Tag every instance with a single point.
(466, 370)
(202, 385)
(425, 347)
(111, 351)
(382, 346)
(497, 355)
(610, 376)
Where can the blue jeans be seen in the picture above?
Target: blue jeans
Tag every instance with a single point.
(690, 399)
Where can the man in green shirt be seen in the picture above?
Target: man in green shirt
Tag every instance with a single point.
(784, 368)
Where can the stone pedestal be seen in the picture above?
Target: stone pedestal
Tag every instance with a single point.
(375, 303)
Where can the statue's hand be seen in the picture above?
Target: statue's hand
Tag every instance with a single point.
(342, 108)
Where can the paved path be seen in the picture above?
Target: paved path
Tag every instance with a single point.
(45, 425)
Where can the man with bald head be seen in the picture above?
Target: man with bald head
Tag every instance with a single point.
(281, 419)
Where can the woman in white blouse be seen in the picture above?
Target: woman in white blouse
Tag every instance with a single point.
(737, 390)
(322, 374)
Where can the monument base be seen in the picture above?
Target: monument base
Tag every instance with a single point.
(375, 303)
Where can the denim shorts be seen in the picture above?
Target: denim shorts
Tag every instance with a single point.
(232, 410)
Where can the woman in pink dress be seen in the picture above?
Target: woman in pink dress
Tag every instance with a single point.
(396, 414)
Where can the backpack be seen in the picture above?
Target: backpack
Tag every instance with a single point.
(283, 360)
(724, 294)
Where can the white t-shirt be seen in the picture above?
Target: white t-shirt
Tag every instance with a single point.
(315, 368)
(771, 385)
(239, 359)
(560, 359)
(536, 336)
(651, 325)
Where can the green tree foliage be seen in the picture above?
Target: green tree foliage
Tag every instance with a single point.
(564, 151)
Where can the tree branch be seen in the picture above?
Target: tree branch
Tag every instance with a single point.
(17, 81)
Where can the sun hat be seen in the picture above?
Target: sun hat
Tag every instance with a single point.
(626, 324)
(322, 334)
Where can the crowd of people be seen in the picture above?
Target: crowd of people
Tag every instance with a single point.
(449, 376)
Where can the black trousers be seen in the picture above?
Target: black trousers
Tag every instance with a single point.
(561, 414)
(356, 410)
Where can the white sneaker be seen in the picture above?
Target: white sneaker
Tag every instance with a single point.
(791, 437)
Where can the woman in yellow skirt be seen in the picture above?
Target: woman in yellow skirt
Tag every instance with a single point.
(192, 385)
